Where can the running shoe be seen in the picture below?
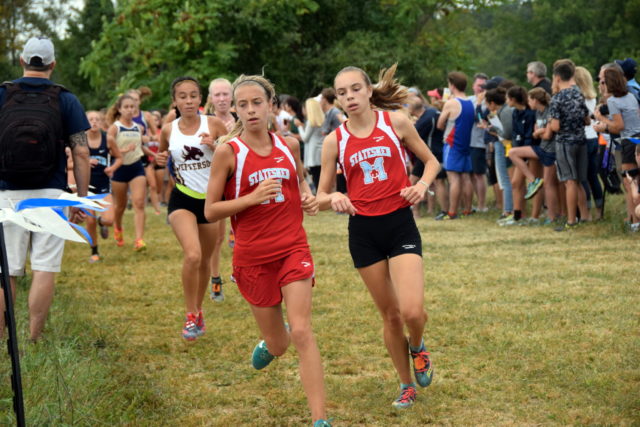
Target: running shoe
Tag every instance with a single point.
(508, 222)
(104, 230)
(216, 289)
(533, 187)
(533, 221)
(190, 330)
(139, 245)
(566, 227)
(94, 258)
(502, 220)
(422, 366)
(261, 357)
(202, 328)
(440, 216)
(233, 279)
(322, 423)
(448, 217)
(406, 399)
(118, 234)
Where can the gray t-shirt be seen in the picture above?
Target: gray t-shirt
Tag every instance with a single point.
(542, 119)
(627, 106)
(331, 121)
(477, 134)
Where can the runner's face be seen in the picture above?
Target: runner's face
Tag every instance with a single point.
(187, 97)
(352, 92)
(94, 120)
(136, 98)
(533, 104)
(127, 109)
(252, 106)
(220, 97)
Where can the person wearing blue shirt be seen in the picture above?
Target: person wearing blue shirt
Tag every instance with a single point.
(38, 62)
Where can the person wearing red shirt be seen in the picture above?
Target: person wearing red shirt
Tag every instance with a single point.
(384, 242)
(257, 180)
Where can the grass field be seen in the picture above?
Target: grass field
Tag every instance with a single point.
(527, 327)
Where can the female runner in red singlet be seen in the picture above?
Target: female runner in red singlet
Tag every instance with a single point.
(261, 178)
(384, 241)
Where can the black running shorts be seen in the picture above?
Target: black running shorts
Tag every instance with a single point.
(376, 238)
(179, 200)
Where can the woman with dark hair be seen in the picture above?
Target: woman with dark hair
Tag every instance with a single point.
(384, 242)
(496, 100)
(189, 140)
(296, 124)
(623, 119)
(544, 152)
(524, 120)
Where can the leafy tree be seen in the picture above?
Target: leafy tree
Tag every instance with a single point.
(21, 19)
(77, 44)
(590, 32)
(299, 44)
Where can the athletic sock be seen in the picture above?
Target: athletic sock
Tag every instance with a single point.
(94, 250)
(417, 349)
(451, 214)
(517, 215)
(403, 386)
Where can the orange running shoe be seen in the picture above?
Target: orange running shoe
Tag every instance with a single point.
(118, 234)
(139, 245)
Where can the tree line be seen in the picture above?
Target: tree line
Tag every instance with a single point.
(301, 44)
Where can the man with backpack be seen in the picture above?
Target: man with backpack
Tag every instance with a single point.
(37, 120)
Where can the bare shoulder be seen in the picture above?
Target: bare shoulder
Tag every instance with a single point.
(216, 126)
(398, 119)
(292, 143)
(166, 130)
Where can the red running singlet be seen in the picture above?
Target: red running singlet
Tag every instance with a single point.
(273, 229)
(374, 168)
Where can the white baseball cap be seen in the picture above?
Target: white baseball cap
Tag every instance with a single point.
(38, 51)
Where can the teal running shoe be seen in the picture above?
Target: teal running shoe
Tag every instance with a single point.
(533, 187)
(422, 368)
(261, 357)
(406, 399)
(322, 423)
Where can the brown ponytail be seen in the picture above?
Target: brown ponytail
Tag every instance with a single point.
(387, 94)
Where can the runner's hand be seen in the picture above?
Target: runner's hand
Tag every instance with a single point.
(266, 190)
(207, 140)
(341, 203)
(309, 204)
(162, 158)
(414, 194)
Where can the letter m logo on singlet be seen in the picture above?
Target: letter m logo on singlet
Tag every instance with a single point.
(373, 171)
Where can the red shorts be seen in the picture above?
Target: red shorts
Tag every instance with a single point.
(260, 284)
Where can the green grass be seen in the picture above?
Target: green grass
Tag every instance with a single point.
(527, 327)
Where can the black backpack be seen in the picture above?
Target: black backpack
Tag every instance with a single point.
(31, 134)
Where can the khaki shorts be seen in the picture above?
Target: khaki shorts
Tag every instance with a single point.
(45, 249)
